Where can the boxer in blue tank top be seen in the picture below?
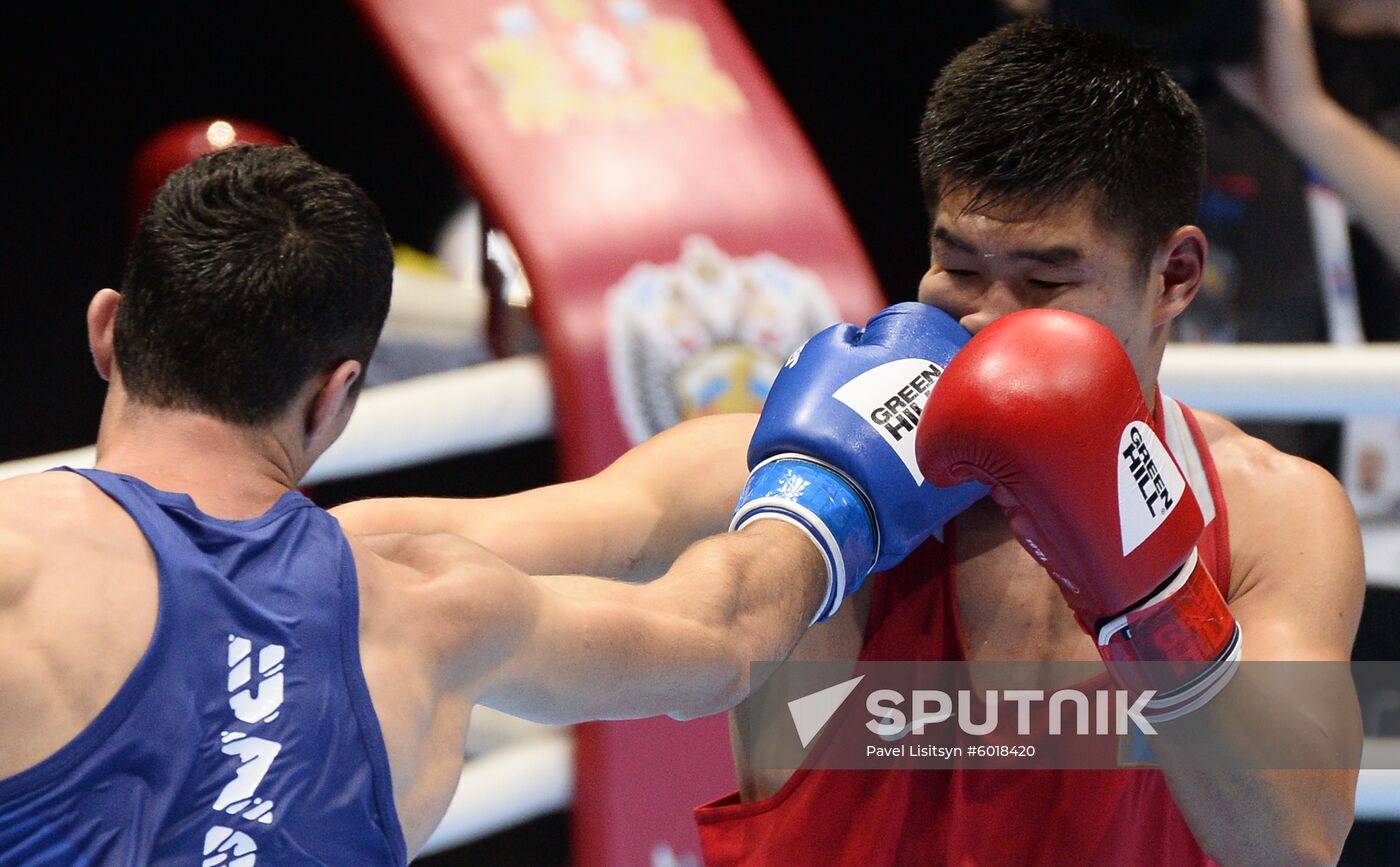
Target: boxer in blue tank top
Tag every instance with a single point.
(202, 666)
(246, 726)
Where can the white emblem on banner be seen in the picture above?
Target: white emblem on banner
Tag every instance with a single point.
(706, 334)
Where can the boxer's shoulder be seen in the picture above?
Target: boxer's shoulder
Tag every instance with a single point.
(1252, 469)
(37, 499)
(54, 500)
(54, 520)
(77, 593)
(1282, 510)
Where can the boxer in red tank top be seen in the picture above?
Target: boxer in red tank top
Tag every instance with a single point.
(1063, 171)
(964, 816)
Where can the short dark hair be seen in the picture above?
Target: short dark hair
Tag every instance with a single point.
(1038, 114)
(252, 269)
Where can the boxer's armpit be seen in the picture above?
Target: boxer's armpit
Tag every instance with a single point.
(660, 497)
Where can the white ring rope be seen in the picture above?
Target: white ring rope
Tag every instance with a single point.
(411, 422)
(1378, 795)
(502, 402)
(1286, 380)
(442, 415)
(508, 786)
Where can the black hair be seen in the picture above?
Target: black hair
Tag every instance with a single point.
(252, 269)
(1036, 114)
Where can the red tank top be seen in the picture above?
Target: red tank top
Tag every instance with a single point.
(963, 816)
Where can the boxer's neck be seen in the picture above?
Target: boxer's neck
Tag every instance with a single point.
(230, 471)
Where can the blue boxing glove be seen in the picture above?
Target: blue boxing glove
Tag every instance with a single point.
(833, 453)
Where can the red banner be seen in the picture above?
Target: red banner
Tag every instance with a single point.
(680, 238)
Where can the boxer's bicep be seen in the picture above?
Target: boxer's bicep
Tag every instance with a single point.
(1300, 593)
(682, 484)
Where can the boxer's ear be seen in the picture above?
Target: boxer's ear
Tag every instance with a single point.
(101, 323)
(331, 404)
(1181, 260)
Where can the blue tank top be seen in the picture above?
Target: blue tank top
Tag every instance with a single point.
(244, 737)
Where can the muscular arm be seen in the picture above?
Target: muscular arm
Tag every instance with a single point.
(568, 649)
(1297, 596)
(629, 521)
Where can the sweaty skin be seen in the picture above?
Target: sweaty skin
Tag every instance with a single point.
(985, 236)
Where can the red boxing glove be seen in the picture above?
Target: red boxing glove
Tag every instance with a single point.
(1045, 406)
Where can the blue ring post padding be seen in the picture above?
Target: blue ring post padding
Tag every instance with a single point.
(827, 507)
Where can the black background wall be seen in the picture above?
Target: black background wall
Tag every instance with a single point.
(84, 89)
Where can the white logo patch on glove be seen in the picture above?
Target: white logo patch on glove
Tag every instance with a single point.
(1149, 484)
(891, 399)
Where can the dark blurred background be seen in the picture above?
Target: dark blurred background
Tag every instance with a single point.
(83, 90)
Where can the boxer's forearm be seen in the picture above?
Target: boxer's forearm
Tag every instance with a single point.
(681, 645)
(1266, 817)
(630, 521)
(1242, 809)
(754, 592)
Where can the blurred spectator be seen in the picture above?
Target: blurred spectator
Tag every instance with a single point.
(1297, 150)
(1291, 183)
